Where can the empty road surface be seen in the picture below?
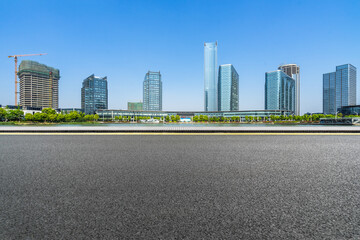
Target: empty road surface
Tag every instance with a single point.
(179, 187)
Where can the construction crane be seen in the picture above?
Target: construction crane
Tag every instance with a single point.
(16, 71)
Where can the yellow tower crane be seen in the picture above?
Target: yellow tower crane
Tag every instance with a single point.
(16, 71)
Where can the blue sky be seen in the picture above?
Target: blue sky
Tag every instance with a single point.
(124, 39)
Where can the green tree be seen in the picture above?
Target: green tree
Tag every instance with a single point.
(43, 117)
(89, 118)
(15, 115)
(68, 118)
(52, 117)
(28, 117)
(177, 118)
(306, 117)
(48, 111)
(195, 118)
(315, 117)
(60, 117)
(37, 117)
(72, 116)
(96, 117)
(3, 114)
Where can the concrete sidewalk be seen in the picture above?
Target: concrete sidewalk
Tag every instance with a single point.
(164, 129)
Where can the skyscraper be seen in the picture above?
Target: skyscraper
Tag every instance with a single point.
(152, 92)
(293, 71)
(39, 85)
(210, 76)
(279, 91)
(339, 88)
(94, 94)
(228, 88)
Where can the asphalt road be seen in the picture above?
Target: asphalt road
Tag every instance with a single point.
(179, 187)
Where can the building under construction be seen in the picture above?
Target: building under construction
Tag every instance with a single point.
(39, 85)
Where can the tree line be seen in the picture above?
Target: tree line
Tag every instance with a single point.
(272, 118)
(50, 115)
(46, 115)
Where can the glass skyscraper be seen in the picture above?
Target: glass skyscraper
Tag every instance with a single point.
(210, 76)
(152, 92)
(94, 94)
(339, 88)
(293, 71)
(228, 88)
(279, 91)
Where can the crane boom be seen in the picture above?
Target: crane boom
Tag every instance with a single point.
(15, 59)
(26, 55)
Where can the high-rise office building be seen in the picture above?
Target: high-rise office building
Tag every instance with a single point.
(210, 76)
(39, 85)
(279, 91)
(94, 94)
(293, 71)
(339, 88)
(152, 92)
(228, 88)
(135, 106)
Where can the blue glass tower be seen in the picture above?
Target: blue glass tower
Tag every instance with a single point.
(228, 88)
(210, 76)
(339, 88)
(293, 71)
(152, 92)
(279, 91)
(94, 94)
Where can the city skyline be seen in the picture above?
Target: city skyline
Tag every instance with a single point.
(126, 59)
(288, 70)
